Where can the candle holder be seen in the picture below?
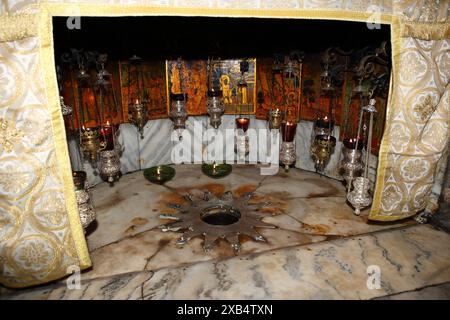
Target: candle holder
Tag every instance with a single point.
(351, 165)
(109, 166)
(241, 145)
(178, 113)
(65, 109)
(215, 108)
(85, 208)
(323, 126)
(242, 123)
(159, 174)
(287, 154)
(275, 118)
(138, 115)
(287, 150)
(241, 140)
(216, 170)
(321, 150)
(91, 144)
(79, 179)
(360, 198)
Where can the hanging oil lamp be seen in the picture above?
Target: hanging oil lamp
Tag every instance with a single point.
(275, 117)
(65, 109)
(351, 165)
(110, 157)
(91, 144)
(215, 108)
(137, 103)
(178, 113)
(109, 165)
(242, 144)
(214, 103)
(323, 143)
(85, 208)
(321, 150)
(360, 197)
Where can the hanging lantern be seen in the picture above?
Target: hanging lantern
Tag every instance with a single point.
(87, 112)
(242, 145)
(275, 118)
(360, 197)
(215, 108)
(109, 166)
(214, 102)
(321, 150)
(65, 109)
(91, 144)
(351, 165)
(137, 106)
(178, 113)
(323, 143)
(85, 208)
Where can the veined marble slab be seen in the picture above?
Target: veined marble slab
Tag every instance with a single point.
(306, 208)
(409, 259)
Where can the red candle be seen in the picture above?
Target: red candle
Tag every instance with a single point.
(107, 133)
(350, 143)
(325, 123)
(242, 123)
(288, 131)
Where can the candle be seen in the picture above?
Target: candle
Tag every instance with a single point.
(107, 133)
(325, 123)
(288, 131)
(242, 123)
(350, 143)
(136, 101)
(158, 171)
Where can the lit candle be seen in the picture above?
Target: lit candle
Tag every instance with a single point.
(350, 143)
(107, 133)
(136, 101)
(242, 123)
(325, 123)
(158, 171)
(288, 130)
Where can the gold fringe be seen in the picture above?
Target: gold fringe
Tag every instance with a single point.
(17, 27)
(426, 31)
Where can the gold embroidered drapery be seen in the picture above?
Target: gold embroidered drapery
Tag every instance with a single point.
(40, 232)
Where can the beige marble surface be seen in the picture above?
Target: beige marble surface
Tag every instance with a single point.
(320, 249)
(409, 259)
(306, 208)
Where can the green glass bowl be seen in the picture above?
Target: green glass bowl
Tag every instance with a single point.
(220, 170)
(165, 174)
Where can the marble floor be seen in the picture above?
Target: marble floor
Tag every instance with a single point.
(319, 250)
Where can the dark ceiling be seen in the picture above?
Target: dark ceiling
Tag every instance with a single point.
(198, 37)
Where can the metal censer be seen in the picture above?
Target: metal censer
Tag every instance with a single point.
(138, 116)
(85, 208)
(91, 144)
(321, 150)
(215, 108)
(109, 165)
(359, 197)
(351, 165)
(275, 119)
